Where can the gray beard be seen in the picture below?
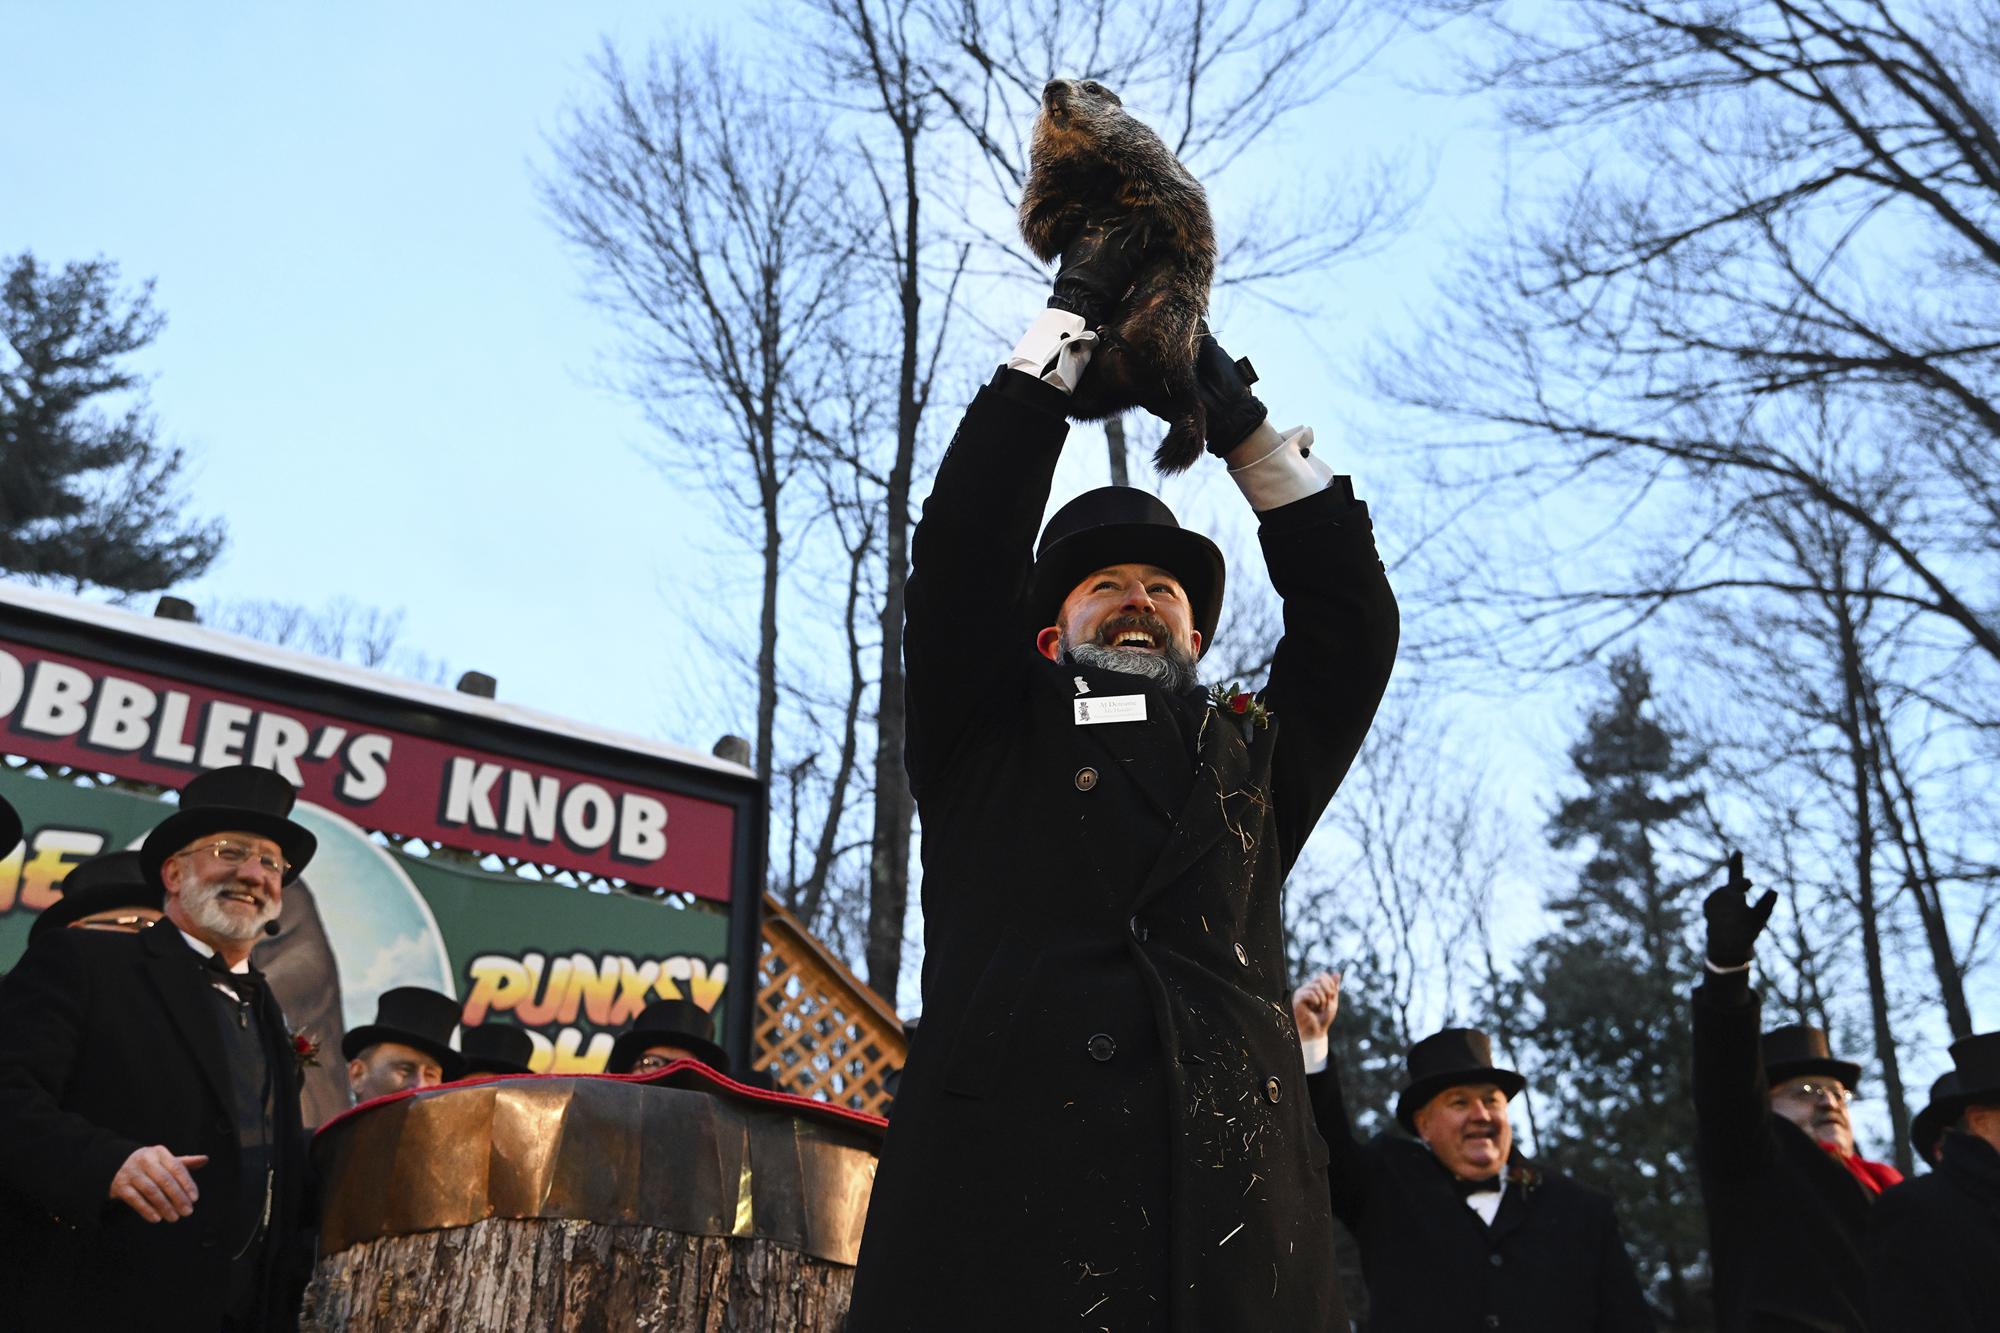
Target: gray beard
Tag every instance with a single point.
(1172, 669)
(198, 901)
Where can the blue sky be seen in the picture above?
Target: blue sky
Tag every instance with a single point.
(378, 352)
(375, 348)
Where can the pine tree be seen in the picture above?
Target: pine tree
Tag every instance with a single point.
(1605, 992)
(88, 496)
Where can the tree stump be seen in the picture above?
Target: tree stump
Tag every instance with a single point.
(511, 1274)
(675, 1202)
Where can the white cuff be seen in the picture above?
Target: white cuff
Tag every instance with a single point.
(1055, 349)
(1272, 469)
(1724, 971)
(1314, 1050)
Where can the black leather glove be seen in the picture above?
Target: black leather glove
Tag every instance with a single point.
(1224, 385)
(1734, 922)
(1097, 267)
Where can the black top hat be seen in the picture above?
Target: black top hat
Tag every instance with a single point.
(670, 1023)
(101, 884)
(415, 1017)
(1976, 1062)
(1799, 1049)
(10, 827)
(1451, 1059)
(1122, 525)
(496, 1048)
(242, 798)
(1929, 1126)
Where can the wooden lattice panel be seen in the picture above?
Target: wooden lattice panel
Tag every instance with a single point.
(820, 1032)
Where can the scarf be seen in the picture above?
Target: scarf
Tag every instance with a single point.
(1874, 1176)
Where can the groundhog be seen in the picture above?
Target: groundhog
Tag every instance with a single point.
(1089, 155)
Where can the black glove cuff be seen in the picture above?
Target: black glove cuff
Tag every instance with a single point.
(1232, 423)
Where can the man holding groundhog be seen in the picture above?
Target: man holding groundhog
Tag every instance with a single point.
(1102, 1123)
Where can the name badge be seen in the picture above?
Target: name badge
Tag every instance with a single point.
(1110, 708)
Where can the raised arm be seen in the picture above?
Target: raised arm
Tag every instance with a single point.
(1341, 621)
(972, 550)
(1314, 1006)
(1731, 1095)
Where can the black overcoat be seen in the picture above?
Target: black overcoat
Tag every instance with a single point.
(1552, 1260)
(1785, 1220)
(1934, 1246)
(109, 1043)
(1102, 1123)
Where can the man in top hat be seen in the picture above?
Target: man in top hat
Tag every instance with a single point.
(1934, 1242)
(496, 1048)
(1927, 1127)
(152, 1164)
(1786, 1193)
(1100, 1123)
(407, 1046)
(667, 1031)
(107, 892)
(1456, 1229)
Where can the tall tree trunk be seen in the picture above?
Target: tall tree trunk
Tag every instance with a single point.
(889, 859)
(1861, 762)
(767, 644)
(1114, 440)
(836, 801)
(1899, 812)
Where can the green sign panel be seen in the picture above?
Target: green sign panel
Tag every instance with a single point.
(570, 965)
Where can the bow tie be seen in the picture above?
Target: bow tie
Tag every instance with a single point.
(1467, 1188)
(243, 983)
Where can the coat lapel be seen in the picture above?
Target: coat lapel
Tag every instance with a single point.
(1231, 778)
(1514, 1206)
(176, 974)
(1152, 753)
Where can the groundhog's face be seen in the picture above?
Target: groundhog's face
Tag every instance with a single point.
(1065, 100)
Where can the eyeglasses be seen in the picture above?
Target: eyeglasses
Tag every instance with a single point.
(648, 1062)
(1812, 1092)
(236, 854)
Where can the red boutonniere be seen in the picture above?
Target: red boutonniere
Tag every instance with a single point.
(305, 1050)
(1236, 701)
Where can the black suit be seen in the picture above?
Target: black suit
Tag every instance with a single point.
(1785, 1220)
(1551, 1261)
(110, 1043)
(1101, 1123)
(1934, 1246)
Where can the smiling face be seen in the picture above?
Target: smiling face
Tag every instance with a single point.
(1467, 1130)
(1139, 609)
(221, 890)
(1816, 1103)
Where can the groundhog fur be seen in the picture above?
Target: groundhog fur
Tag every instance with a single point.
(1089, 155)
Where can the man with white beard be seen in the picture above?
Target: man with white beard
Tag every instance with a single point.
(152, 1165)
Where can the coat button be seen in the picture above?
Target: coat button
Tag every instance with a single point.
(1139, 931)
(1242, 955)
(1272, 1088)
(1086, 778)
(1493, 1321)
(1493, 1259)
(1101, 1047)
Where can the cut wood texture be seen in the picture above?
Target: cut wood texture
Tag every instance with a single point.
(563, 1275)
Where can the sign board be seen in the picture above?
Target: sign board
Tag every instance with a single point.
(101, 691)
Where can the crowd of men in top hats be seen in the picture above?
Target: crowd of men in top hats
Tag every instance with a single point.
(153, 1158)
